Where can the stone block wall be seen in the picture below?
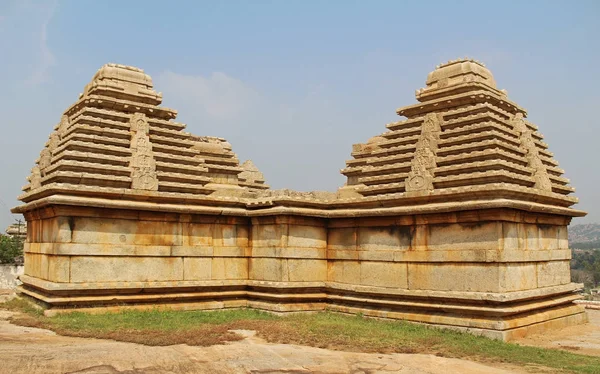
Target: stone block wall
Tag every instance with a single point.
(449, 253)
(503, 252)
(288, 249)
(75, 245)
(491, 270)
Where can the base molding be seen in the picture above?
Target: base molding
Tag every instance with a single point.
(498, 316)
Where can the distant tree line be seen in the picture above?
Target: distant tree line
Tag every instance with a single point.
(587, 245)
(585, 267)
(11, 250)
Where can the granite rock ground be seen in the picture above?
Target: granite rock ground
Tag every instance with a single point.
(583, 339)
(33, 351)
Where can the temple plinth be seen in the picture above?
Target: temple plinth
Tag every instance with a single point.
(456, 216)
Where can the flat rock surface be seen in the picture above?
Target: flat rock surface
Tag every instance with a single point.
(31, 351)
(583, 339)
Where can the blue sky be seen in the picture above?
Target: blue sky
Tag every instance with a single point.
(293, 84)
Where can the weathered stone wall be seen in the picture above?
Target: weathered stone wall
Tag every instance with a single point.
(288, 249)
(492, 270)
(419, 253)
(8, 276)
(499, 253)
(129, 246)
(405, 252)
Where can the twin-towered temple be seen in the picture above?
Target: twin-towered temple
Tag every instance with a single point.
(455, 216)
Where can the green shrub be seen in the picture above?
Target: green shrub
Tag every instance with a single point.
(11, 249)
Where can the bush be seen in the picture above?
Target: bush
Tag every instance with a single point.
(11, 250)
(587, 262)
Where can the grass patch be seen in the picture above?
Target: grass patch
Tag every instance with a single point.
(18, 304)
(326, 330)
(356, 333)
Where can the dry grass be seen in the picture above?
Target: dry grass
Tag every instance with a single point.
(205, 336)
(325, 330)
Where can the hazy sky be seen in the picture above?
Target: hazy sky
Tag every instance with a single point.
(293, 84)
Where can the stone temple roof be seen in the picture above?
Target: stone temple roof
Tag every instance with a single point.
(463, 142)
(463, 135)
(116, 140)
(17, 230)
(456, 72)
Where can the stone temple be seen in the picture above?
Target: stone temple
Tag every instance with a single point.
(455, 216)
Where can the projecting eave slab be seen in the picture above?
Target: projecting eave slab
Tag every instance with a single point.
(291, 207)
(465, 98)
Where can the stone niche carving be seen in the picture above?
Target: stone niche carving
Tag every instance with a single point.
(143, 173)
(540, 173)
(455, 216)
(420, 177)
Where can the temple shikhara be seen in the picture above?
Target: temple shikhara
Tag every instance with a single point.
(455, 216)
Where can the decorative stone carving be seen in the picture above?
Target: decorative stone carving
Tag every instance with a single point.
(54, 141)
(64, 125)
(143, 165)
(420, 177)
(36, 178)
(46, 154)
(45, 159)
(540, 173)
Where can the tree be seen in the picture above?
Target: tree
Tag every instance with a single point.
(585, 265)
(11, 249)
(581, 276)
(593, 267)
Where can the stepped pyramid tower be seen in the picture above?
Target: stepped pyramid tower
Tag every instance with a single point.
(116, 141)
(455, 217)
(463, 137)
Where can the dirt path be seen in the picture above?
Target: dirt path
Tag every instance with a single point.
(584, 339)
(31, 351)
